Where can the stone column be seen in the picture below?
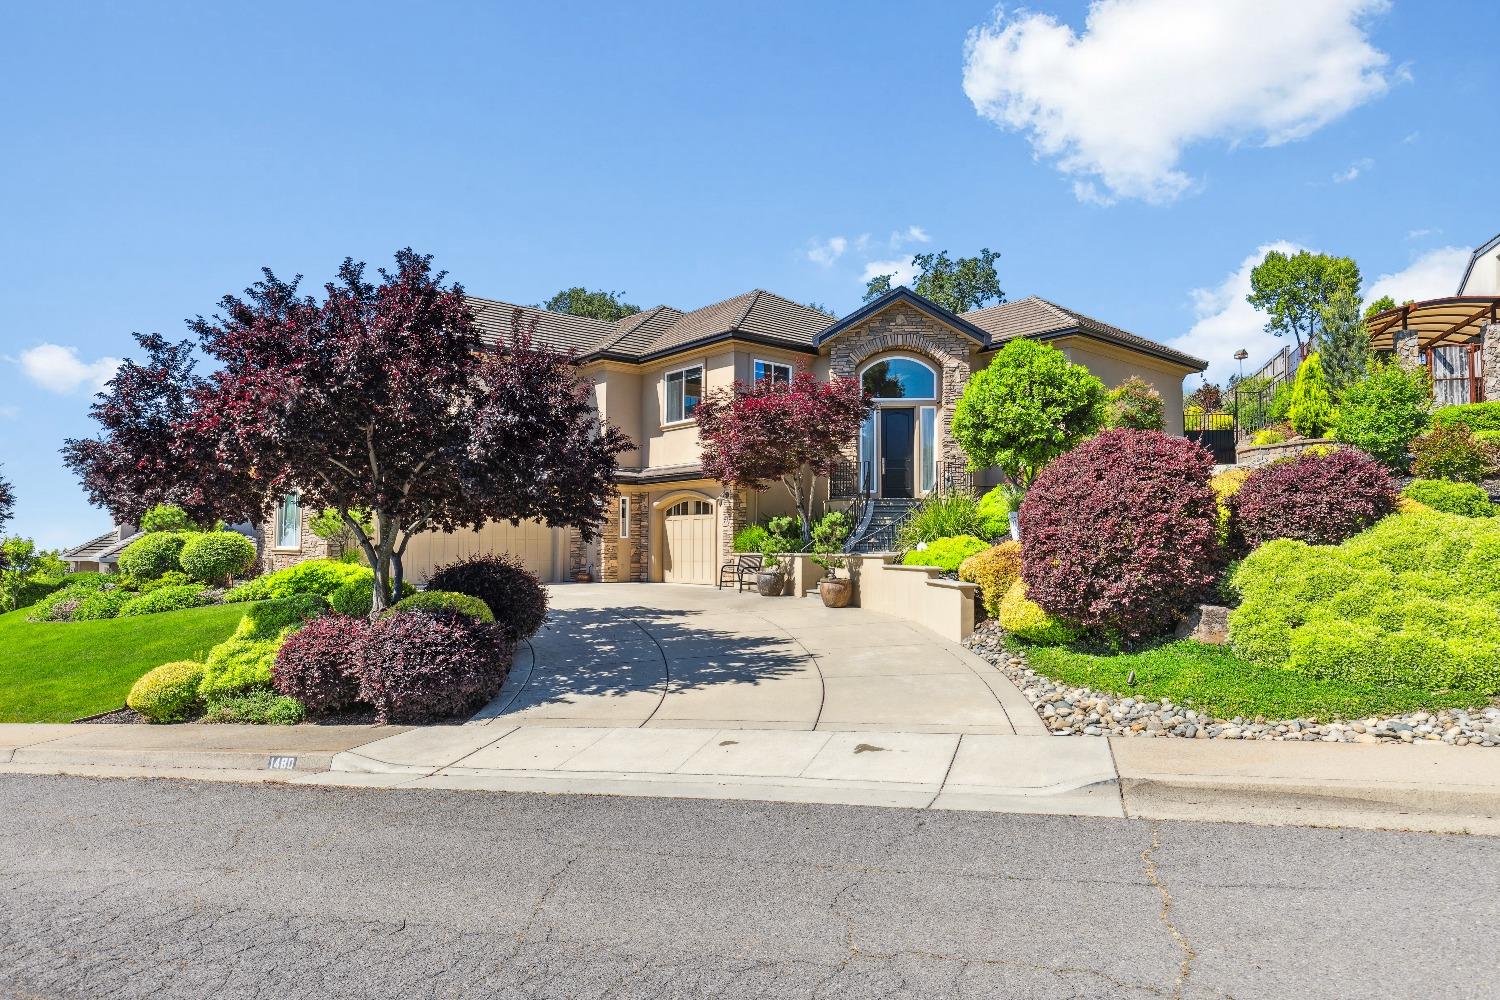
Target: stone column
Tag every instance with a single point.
(1408, 353)
(734, 514)
(1489, 354)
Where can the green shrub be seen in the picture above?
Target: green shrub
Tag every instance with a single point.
(1135, 403)
(1490, 439)
(238, 664)
(149, 556)
(217, 556)
(752, 538)
(1464, 499)
(166, 517)
(100, 604)
(1474, 416)
(259, 706)
(1269, 435)
(831, 531)
(1311, 411)
(357, 597)
(1281, 403)
(1025, 619)
(316, 576)
(161, 599)
(169, 693)
(21, 591)
(268, 619)
(941, 516)
(994, 569)
(1410, 602)
(1449, 451)
(444, 602)
(1382, 412)
(946, 553)
(994, 511)
(171, 578)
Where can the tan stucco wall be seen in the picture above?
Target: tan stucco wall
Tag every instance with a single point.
(617, 396)
(1113, 365)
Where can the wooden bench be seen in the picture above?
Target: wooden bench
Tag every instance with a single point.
(737, 571)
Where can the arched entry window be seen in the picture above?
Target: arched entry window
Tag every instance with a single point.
(900, 378)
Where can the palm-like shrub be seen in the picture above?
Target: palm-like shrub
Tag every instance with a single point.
(515, 596)
(417, 667)
(217, 556)
(1120, 534)
(1449, 451)
(1317, 498)
(994, 569)
(149, 556)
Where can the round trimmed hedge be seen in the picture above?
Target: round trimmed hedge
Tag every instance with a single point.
(515, 596)
(1464, 499)
(149, 556)
(217, 556)
(168, 693)
(1318, 498)
(319, 665)
(1120, 534)
(416, 667)
(442, 602)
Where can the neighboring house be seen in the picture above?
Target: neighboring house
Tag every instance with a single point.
(1482, 276)
(102, 554)
(648, 371)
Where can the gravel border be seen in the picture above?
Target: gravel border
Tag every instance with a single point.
(1078, 711)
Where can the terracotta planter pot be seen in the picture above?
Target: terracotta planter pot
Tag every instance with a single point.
(836, 593)
(770, 584)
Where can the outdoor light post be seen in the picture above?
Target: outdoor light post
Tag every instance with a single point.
(1239, 356)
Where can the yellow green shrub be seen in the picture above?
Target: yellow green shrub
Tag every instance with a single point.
(1025, 619)
(168, 693)
(994, 569)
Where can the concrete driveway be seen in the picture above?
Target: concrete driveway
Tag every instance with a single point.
(683, 657)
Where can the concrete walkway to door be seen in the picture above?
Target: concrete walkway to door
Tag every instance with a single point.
(685, 657)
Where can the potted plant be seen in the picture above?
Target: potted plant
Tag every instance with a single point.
(771, 580)
(836, 591)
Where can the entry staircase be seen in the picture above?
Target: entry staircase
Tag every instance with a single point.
(879, 522)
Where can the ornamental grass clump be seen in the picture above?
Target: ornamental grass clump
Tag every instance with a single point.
(942, 516)
(1120, 535)
(1321, 499)
(1412, 602)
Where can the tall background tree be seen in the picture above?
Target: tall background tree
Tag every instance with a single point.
(7, 501)
(1380, 305)
(1343, 343)
(601, 304)
(1029, 406)
(791, 433)
(379, 397)
(957, 285)
(1293, 289)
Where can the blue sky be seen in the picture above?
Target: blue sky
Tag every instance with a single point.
(1125, 161)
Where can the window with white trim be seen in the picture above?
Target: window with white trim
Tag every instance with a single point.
(684, 389)
(773, 371)
(289, 522)
(624, 517)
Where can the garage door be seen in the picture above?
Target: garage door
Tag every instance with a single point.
(541, 549)
(691, 536)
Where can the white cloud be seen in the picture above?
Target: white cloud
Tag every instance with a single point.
(1353, 170)
(61, 370)
(1434, 274)
(1225, 322)
(827, 251)
(917, 234)
(1116, 106)
(1417, 234)
(902, 271)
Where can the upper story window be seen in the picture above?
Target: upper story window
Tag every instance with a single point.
(289, 522)
(773, 371)
(900, 378)
(684, 389)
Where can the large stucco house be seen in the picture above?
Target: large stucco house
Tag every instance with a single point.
(670, 523)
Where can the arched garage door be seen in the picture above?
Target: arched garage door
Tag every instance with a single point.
(690, 531)
(541, 549)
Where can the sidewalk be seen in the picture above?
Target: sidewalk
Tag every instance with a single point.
(1434, 788)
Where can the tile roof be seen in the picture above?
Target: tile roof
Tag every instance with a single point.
(96, 549)
(1035, 317)
(764, 316)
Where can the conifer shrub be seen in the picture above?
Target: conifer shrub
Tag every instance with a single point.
(1120, 535)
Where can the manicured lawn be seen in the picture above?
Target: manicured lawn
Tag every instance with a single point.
(1213, 679)
(61, 671)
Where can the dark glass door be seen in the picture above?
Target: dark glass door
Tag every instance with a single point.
(897, 451)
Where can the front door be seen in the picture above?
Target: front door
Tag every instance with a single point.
(897, 451)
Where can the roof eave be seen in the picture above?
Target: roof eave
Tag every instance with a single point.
(897, 295)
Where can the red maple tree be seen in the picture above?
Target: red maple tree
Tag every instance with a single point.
(380, 396)
(787, 432)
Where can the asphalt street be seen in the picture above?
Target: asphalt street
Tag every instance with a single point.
(159, 888)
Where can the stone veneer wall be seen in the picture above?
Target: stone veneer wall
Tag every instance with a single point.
(626, 559)
(1489, 355)
(904, 329)
(313, 547)
(1252, 455)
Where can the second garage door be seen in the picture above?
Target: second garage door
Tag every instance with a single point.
(691, 534)
(541, 549)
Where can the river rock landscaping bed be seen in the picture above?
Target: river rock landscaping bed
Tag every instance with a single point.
(1080, 711)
